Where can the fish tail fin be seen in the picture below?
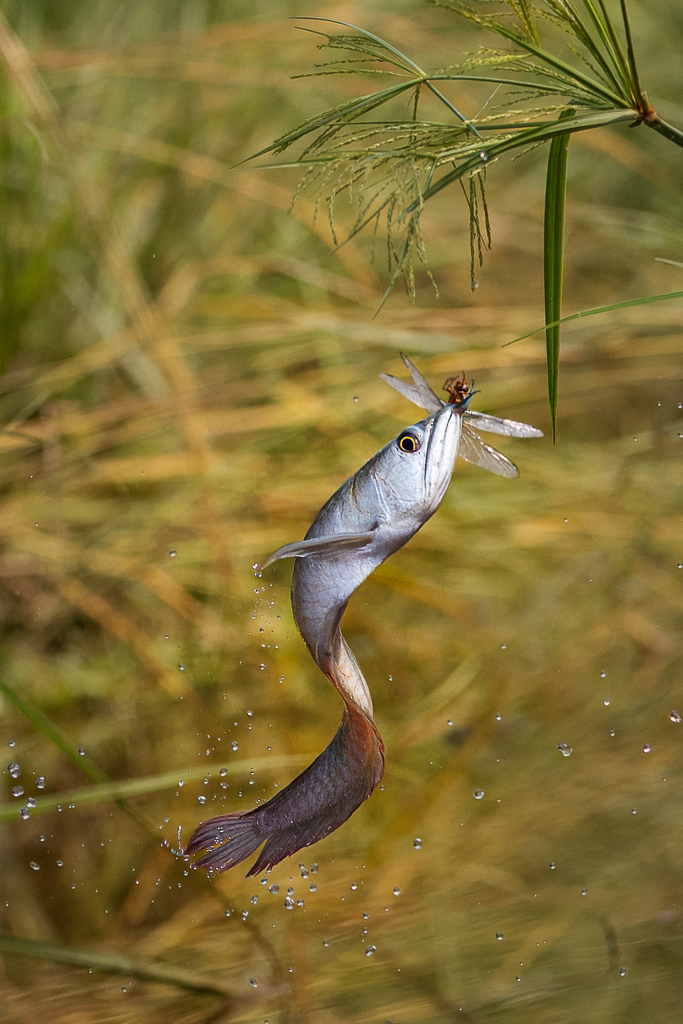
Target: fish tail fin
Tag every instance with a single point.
(314, 804)
(229, 838)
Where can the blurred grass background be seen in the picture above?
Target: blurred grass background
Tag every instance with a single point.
(189, 371)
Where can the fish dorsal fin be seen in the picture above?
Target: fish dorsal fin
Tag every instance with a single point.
(419, 392)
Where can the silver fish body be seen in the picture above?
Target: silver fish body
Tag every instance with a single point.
(386, 501)
(372, 514)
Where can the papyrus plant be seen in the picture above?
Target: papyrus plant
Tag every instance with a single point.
(394, 167)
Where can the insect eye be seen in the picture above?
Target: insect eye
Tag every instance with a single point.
(408, 443)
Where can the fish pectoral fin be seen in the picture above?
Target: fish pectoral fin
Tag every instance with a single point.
(321, 546)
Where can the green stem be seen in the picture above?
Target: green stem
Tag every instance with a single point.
(667, 130)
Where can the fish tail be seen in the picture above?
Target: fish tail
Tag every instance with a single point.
(229, 838)
(314, 804)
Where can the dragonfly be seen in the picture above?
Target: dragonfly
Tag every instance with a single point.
(473, 448)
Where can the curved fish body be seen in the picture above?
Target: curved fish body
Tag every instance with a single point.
(373, 514)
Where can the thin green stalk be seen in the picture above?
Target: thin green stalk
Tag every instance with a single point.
(631, 53)
(553, 258)
(644, 301)
(121, 791)
(56, 736)
(53, 733)
(667, 130)
(109, 963)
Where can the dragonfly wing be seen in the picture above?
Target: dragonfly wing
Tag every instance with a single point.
(409, 391)
(418, 392)
(494, 425)
(475, 450)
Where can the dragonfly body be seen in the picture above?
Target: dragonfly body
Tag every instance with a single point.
(373, 514)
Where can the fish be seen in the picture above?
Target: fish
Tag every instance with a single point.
(373, 514)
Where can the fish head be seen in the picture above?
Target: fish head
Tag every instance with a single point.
(413, 471)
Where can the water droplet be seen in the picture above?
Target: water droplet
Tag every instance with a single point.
(518, 978)
(24, 813)
(564, 749)
(17, 791)
(254, 899)
(633, 810)
(223, 772)
(449, 722)
(234, 745)
(483, 156)
(606, 703)
(612, 732)
(40, 782)
(173, 552)
(622, 972)
(566, 519)
(201, 799)
(314, 868)
(679, 565)
(478, 794)
(354, 886)
(397, 891)
(417, 844)
(647, 749)
(60, 863)
(14, 769)
(498, 717)
(245, 915)
(12, 743)
(262, 667)
(31, 801)
(552, 865)
(312, 887)
(675, 717)
(181, 667)
(584, 892)
(299, 903)
(81, 751)
(503, 647)
(253, 982)
(34, 866)
(181, 783)
(370, 950)
(603, 675)
(289, 903)
(499, 936)
(325, 943)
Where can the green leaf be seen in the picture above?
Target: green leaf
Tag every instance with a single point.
(553, 257)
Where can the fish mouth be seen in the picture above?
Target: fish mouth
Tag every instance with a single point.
(442, 448)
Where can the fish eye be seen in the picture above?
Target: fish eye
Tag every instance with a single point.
(407, 442)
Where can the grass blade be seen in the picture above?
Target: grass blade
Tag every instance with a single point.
(644, 301)
(109, 963)
(53, 733)
(121, 791)
(553, 257)
(56, 736)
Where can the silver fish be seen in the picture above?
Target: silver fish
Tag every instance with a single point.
(372, 515)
